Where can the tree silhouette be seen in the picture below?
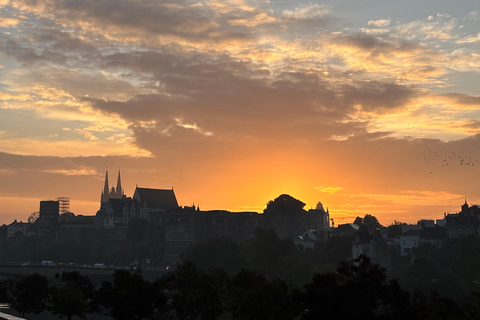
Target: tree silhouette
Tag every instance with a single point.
(252, 297)
(192, 293)
(27, 294)
(358, 290)
(284, 204)
(72, 295)
(130, 297)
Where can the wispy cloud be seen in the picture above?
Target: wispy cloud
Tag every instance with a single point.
(329, 190)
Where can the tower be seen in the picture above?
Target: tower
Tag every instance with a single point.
(119, 190)
(106, 189)
(113, 193)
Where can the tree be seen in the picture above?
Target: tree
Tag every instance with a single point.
(265, 253)
(72, 295)
(395, 229)
(371, 222)
(253, 297)
(359, 289)
(322, 297)
(129, 298)
(284, 204)
(192, 293)
(358, 221)
(33, 217)
(28, 294)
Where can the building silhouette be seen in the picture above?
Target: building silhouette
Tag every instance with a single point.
(113, 193)
(48, 218)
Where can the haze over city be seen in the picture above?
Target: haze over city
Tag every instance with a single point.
(370, 107)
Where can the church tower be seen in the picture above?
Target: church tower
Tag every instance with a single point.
(113, 193)
(106, 189)
(119, 190)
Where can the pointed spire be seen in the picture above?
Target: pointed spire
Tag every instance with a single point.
(106, 188)
(119, 190)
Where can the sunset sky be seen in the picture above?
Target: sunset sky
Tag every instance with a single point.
(371, 107)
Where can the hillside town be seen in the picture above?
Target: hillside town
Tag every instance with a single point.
(167, 229)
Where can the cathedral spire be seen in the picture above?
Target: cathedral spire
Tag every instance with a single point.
(106, 189)
(119, 190)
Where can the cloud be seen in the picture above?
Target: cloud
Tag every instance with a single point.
(310, 11)
(16, 97)
(472, 15)
(8, 22)
(73, 172)
(194, 127)
(379, 23)
(254, 21)
(329, 190)
(470, 39)
(66, 148)
(440, 27)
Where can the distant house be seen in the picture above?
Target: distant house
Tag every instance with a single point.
(309, 238)
(372, 245)
(345, 229)
(434, 236)
(409, 240)
(464, 223)
(17, 228)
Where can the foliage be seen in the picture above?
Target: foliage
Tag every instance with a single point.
(252, 297)
(72, 295)
(33, 217)
(27, 294)
(267, 254)
(394, 229)
(359, 289)
(130, 297)
(284, 204)
(371, 222)
(192, 293)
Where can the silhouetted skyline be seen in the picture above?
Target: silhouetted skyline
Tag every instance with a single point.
(370, 108)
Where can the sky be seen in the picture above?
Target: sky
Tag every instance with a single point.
(369, 107)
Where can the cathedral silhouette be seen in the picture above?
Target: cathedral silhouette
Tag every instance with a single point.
(114, 193)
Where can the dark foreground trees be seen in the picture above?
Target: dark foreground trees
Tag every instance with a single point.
(28, 294)
(359, 289)
(72, 294)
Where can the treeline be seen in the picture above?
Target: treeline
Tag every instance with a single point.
(358, 289)
(452, 270)
(274, 257)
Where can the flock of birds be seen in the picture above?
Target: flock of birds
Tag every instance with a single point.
(450, 158)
